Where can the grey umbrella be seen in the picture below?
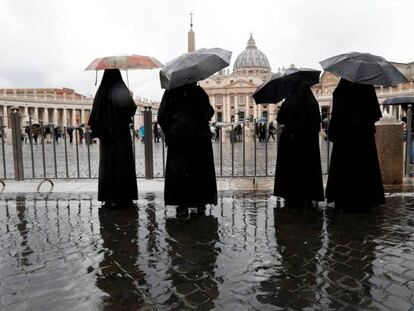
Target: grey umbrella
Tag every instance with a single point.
(364, 68)
(281, 85)
(192, 67)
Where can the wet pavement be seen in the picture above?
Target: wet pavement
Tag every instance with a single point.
(64, 252)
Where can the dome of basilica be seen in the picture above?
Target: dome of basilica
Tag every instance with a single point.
(251, 60)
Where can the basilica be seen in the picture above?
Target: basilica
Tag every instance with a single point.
(231, 92)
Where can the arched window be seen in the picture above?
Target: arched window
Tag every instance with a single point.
(231, 99)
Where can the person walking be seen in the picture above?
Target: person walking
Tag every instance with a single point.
(80, 131)
(190, 179)
(35, 133)
(354, 179)
(69, 130)
(111, 116)
(156, 133)
(272, 131)
(298, 177)
(142, 133)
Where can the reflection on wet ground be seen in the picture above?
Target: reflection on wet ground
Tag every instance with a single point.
(66, 253)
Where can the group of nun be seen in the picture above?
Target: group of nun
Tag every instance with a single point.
(354, 180)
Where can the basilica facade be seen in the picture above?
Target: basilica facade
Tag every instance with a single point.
(230, 92)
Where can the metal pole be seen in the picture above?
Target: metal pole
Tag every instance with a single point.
(244, 149)
(2, 146)
(232, 150)
(66, 152)
(221, 150)
(31, 146)
(54, 135)
(88, 141)
(408, 142)
(77, 151)
(163, 154)
(255, 148)
(17, 144)
(266, 155)
(149, 167)
(42, 133)
(133, 143)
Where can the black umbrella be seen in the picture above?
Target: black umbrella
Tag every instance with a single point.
(280, 86)
(404, 101)
(364, 68)
(193, 67)
(399, 100)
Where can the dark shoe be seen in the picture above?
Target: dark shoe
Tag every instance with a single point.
(181, 211)
(201, 210)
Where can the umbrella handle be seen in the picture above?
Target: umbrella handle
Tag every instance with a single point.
(96, 77)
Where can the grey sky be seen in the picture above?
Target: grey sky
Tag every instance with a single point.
(46, 43)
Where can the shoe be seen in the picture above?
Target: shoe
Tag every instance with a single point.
(201, 210)
(181, 211)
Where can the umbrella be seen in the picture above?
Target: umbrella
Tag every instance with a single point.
(399, 100)
(364, 68)
(404, 101)
(124, 62)
(192, 67)
(281, 85)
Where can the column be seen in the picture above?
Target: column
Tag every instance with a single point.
(213, 103)
(228, 111)
(45, 115)
(55, 116)
(35, 115)
(65, 117)
(236, 107)
(74, 117)
(247, 107)
(255, 111)
(5, 116)
(82, 116)
(26, 111)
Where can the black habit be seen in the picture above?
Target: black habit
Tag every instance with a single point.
(111, 116)
(190, 178)
(298, 177)
(354, 180)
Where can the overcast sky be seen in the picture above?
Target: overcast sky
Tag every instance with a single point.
(48, 43)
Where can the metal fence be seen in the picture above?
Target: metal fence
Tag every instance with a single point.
(51, 152)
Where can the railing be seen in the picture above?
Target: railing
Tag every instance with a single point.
(47, 151)
(58, 151)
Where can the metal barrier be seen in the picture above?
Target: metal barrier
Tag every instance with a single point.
(57, 151)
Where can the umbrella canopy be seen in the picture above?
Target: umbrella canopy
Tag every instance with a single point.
(364, 68)
(124, 62)
(280, 86)
(399, 100)
(192, 67)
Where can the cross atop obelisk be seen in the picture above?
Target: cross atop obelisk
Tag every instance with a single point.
(191, 35)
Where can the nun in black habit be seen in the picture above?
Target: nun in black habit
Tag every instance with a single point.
(354, 180)
(298, 177)
(110, 119)
(190, 179)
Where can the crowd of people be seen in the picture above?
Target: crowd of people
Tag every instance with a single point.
(35, 133)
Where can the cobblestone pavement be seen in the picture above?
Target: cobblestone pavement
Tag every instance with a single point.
(78, 164)
(65, 253)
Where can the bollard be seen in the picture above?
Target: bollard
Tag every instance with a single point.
(149, 161)
(17, 143)
(389, 143)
